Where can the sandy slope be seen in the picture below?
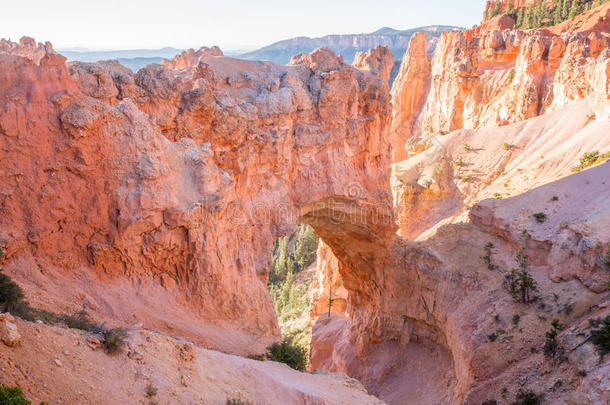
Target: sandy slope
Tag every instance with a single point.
(56, 365)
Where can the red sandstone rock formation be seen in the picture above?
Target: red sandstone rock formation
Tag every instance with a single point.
(495, 78)
(432, 304)
(379, 60)
(409, 94)
(436, 300)
(171, 185)
(191, 57)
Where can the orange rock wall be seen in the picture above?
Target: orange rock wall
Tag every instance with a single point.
(173, 184)
(495, 78)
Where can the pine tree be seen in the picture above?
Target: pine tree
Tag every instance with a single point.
(575, 9)
(557, 13)
(497, 9)
(520, 17)
(565, 9)
(528, 18)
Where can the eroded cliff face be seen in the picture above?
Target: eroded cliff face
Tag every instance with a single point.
(490, 78)
(484, 136)
(155, 197)
(438, 302)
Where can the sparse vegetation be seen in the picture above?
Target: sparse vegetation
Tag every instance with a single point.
(114, 340)
(497, 196)
(13, 396)
(330, 299)
(288, 290)
(465, 178)
(540, 217)
(528, 398)
(519, 282)
(591, 159)
(11, 295)
(582, 373)
(601, 337)
(467, 147)
(490, 402)
(151, 390)
(12, 299)
(552, 349)
(493, 337)
(539, 14)
(238, 401)
(509, 79)
(487, 259)
(516, 319)
(286, 352)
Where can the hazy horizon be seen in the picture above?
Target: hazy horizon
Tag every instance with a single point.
(232, 24)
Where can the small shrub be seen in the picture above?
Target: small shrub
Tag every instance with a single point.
(506, 146)
(493, 337)
(582, 373)
(458, 162)
(80, 320)
(534, 350)
(487, 259)
(291, 354)
(555, 198)
(516, 319)
(11, 295)
(540, 217)
(497, 196)
(465, 178)
(114, 340)
(519, 282)
(490, 402)
(239, 401)
(552, 349)
(601, 337)
(467, 148)
(528, 398)
(590, 159)
(497, 318)
(511, 76)
(151, 390)
(13, 396)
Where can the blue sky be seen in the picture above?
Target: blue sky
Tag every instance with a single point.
(125, 24)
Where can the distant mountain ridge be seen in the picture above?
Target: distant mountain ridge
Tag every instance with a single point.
(132, 58)
(346, 44)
